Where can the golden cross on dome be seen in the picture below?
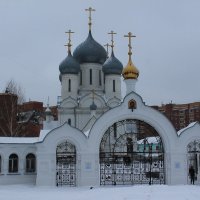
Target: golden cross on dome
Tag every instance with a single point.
(129, 43)
(107, 46)
(112, 33)
(90, 10)
(69, 40)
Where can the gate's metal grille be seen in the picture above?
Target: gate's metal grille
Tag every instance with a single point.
(193, 149)
(131, 152)
(66, 164)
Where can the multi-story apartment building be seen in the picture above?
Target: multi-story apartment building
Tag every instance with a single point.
(181, 115)
(30, 116)
(20, 120)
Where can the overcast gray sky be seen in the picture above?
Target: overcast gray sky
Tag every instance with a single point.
(166, 49)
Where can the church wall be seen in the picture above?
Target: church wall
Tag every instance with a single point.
(87, 149)
(65, 117)
(20, 177)
(109, 93)
(82, 119)
(47, 154)
(69, 88)
(89, 169)
(95, 78)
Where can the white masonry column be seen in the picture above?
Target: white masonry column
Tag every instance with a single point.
(130, 85)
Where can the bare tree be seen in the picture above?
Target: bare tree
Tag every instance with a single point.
(9, 100)
(13, 88)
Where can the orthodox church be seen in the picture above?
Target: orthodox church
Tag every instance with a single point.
(100, 137)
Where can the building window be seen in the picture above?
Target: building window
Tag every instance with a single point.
(13, 163)
(69, 121)
(0, 164)
(81, 76)
(69, 86)
(115, 130)
(90, 76)
(100, 77)
(30, 163)
(113, 85)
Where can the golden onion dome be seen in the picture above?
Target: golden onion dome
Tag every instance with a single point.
(130, 71)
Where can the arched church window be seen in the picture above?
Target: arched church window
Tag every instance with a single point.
(100, 77)
(81, 76)
(113, 85)
(115, 130)
(13, 163)
(69, 121)
(90, 76)
(69, 86)
(30, 163)
(0, 163)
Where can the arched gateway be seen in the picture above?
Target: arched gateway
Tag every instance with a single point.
(135, 145)
(131, 152)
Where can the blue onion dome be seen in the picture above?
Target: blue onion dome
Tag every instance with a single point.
(69, 65)
(90, 51)
(112, 65)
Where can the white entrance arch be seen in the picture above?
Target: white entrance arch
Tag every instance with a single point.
(46, 153)
(144, 113)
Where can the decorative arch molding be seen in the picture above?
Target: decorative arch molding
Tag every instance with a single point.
(113, 102)
(87, 99)
(69, 102)
(62, 133)
(89, 124)
(143, 113)
(189, 134)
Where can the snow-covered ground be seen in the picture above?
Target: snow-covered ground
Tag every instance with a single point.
(155, 192)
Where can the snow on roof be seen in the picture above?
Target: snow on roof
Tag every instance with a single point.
(24, 140)
(153, 140)
(189, 126)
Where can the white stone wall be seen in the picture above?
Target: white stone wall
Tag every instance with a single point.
(109, 93)
(74, 78)
(21, 177)
(83, 89)
(47, 154)
(87, 148)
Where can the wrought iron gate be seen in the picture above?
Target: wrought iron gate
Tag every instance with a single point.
(131, 152)
(66, 164)
(193, 149)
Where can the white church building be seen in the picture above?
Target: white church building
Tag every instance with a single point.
(101, 138)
